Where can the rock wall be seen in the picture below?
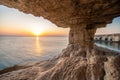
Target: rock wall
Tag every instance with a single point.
(82, 16)
(66, 13)
(100, 65)
(82, 34)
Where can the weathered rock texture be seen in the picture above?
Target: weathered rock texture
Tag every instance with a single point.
(100, 65)
(82, 16)
(80, 60)
(67, 13)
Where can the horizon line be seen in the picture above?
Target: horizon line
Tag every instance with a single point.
(32, 36)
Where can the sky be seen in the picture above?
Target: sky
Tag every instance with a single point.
(111, 28)
(14, 22)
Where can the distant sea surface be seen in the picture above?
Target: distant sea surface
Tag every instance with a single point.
(115, 46)
(17, 50)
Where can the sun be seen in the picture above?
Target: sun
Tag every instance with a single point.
(37, 31)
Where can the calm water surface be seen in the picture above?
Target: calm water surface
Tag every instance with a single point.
(16, 50)
(109, 45)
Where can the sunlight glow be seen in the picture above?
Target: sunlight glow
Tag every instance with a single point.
(37, 38)
(37, 31)
(38, 47)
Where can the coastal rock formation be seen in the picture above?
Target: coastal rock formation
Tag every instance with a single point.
(80, 60)
(69, 13)
(101, 65)
(82, 16)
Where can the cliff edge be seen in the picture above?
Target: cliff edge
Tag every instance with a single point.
(101, 65)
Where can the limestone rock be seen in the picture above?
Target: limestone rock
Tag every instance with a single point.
(98, 67)
(66, 13)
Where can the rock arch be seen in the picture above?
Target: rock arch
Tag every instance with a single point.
(82, 16)
(79, 60)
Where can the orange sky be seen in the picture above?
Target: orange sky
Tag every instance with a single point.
(5, 30)
(14, 22)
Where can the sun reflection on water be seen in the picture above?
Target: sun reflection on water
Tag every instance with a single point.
(38, 47)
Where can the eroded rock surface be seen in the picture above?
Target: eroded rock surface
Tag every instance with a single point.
(99, 66)
(80, 60)
(66, 13)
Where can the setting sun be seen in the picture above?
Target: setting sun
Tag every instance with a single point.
(37, 31)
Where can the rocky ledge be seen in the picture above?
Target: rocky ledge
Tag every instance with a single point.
(100, 65)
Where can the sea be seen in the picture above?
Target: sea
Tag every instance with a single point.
(20, 50)
(114, 46)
